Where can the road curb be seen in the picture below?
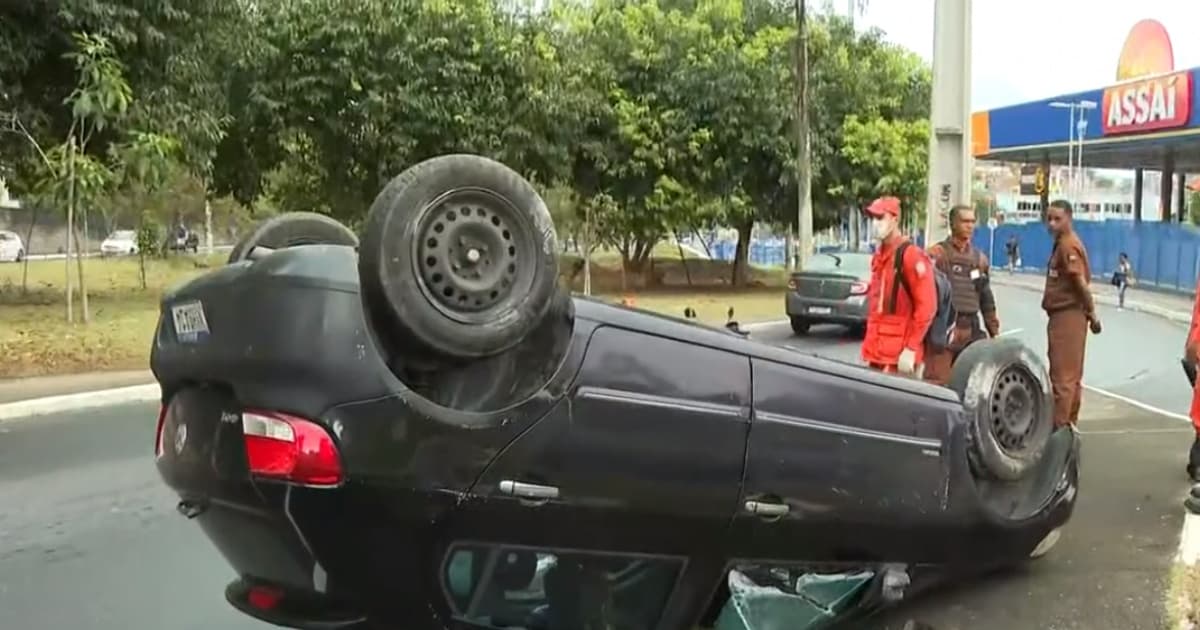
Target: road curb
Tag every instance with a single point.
(76, 402)
(1131, 305)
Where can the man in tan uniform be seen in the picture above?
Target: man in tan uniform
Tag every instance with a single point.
(968, 271)
(1068, 303)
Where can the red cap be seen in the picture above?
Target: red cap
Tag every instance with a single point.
(883, 206)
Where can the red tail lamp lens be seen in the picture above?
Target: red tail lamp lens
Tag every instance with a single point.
(279, 446)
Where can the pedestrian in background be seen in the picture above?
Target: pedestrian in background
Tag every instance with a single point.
(968, 271)
(1013, 250)
(897, 320)
(1067, 300)
(1121, 278)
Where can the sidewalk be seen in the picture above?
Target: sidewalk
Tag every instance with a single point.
(1171, 306)
(18, 389)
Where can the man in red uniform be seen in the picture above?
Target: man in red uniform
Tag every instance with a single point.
(898, 314)
(1191, 353)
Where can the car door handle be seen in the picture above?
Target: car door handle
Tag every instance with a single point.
(528, 490)
(767, 509)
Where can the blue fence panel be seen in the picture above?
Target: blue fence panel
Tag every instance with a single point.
(1166, 255)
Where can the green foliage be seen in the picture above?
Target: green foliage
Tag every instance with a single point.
(646, 117)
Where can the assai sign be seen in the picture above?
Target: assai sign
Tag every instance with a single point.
(1153, 103)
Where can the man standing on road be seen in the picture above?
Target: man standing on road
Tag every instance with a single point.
(1191, 353)
(1013, 250)
(1068, 303)
(968, 270)
(897, 320)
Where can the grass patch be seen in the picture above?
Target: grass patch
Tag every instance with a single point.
(1183, 597)
(754, 305)
(36, 339)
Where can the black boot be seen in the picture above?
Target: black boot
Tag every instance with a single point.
(1193, 467)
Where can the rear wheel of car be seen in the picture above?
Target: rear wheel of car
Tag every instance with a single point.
(1006, 393)
(292, 229)
(459, 256)
(800, 325)
(20, 255)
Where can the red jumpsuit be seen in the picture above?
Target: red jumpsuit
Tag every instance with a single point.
(1190, 349)
(891, 330)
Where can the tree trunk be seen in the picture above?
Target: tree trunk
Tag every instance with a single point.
(70, 225)
(741, 254)
(33, 217)
(83, 294)
(803, 147)
(683, 259)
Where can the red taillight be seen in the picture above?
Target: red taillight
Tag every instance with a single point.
(858, 288)
(264, 597)
(162, 416)
(288, 448)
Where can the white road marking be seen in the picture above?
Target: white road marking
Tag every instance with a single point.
(1133, 431)
(1137, 403)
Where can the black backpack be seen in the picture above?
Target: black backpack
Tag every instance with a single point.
(944, 319)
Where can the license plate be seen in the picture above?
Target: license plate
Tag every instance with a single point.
(820, 310)
(190, 323)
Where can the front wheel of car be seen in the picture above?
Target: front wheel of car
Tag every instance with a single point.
(459, 257)
(1005, 392)
(291, 229)
(800, 325)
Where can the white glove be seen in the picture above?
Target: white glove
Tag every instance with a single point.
(908, 362)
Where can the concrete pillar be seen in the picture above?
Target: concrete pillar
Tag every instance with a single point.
(1138, 182)
(1165, 187)
(950, 158)
(1181, 197)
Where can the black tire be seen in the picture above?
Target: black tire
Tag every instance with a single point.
(20, 255)
(291, 229)
(1005, 392)
(800, 325)
(459, 256)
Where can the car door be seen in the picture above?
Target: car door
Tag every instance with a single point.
(838, 469)
(611, 510)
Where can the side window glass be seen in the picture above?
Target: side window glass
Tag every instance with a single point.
(545, 589)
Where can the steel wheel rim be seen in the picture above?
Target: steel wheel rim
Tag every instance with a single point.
(474, 254)
(1014, 407)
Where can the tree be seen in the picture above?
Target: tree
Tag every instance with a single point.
(891, 158)
(69, 174)
(144, 165)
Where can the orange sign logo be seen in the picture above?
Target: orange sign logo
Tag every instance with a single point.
(1147, 50)
(1163, 102)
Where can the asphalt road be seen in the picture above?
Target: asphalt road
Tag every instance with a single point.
(89, 538)
(1136, 355)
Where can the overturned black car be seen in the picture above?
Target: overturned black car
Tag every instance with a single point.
(425, 430)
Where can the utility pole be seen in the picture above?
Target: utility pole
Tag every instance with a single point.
(803, 153)
(950, 158)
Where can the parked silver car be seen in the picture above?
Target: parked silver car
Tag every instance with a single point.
(832, 289)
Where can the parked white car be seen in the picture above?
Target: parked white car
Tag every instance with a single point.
(12, 248)
(119, 243)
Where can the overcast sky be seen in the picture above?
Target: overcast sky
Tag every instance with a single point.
(1080, 39)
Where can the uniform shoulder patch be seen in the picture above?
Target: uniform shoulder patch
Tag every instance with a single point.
(920, 268)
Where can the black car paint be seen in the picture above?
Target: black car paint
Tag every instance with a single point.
(655, 432)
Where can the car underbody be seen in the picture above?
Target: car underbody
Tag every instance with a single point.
(373, 441)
